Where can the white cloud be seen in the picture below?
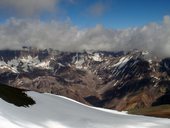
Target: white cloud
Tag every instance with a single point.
(63, 36)
(72, 1)
(97, 9)
(28, 7)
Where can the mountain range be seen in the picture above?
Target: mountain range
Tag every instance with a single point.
(124, 81)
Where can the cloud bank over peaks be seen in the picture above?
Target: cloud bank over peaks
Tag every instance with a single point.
(64, 36)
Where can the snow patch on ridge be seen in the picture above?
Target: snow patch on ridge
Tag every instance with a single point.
(122, 62)
(96, 57)
(79, 63)
(26, 63)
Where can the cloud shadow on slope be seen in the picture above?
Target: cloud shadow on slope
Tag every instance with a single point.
(15, 96)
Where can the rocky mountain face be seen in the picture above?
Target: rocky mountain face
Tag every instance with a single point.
(115, 80)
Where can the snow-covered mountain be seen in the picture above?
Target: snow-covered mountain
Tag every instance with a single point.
(115, 80)
(52, 111)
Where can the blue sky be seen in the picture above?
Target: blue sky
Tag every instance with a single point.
(116, 14)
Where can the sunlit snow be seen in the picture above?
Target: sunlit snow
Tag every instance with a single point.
(52, 111)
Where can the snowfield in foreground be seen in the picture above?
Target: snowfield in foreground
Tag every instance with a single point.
(52, 111)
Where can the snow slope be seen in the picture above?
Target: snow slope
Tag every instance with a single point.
(52, 111)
